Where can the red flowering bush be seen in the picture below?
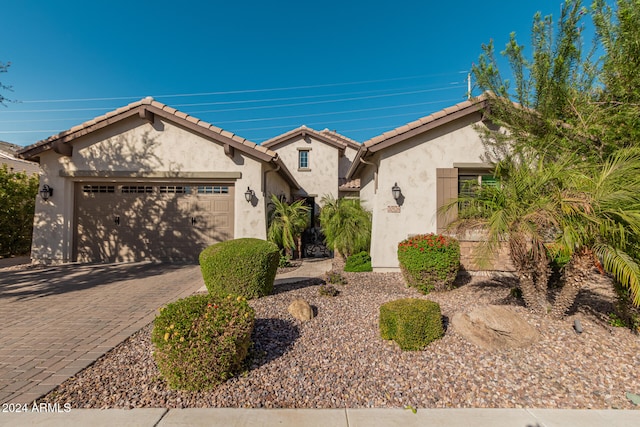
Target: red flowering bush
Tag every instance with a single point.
(429, 261)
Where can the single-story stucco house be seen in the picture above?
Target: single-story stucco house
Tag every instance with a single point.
(427, 162)
(149, 182)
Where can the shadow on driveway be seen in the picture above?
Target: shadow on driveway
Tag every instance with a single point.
(40, 282)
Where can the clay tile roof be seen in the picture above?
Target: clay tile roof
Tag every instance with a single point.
(329, 137)
(471, 105)
(339, 137)
(349, 185)
(415, 127)
(131, 109)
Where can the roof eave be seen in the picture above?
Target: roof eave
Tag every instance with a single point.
(362, 151)
(303, 131)
(427, 126)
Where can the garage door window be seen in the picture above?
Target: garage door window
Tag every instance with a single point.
(175, 189)
(213, 189)
(98, 189)
(137, 189)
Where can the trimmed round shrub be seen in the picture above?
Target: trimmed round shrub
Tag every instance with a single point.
(245, 267)
(412, 323)
(429, 261)
(202, 340)
(358, 262)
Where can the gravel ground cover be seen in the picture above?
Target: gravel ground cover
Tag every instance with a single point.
(338, 359)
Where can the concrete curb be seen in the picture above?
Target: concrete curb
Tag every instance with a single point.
(231, 417)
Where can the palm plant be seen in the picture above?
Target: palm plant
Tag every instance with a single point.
(346, 225)
(600, 225)
(286, 224)
(521, 212)
(590, 213)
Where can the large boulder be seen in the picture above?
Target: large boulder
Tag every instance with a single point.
(495, 327)
(301, 310)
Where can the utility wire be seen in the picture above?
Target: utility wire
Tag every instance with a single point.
(119, 98)
(260, 107)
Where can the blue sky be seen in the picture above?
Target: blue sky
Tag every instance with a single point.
(257, 69)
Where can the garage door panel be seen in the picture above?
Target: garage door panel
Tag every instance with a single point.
(169, 222)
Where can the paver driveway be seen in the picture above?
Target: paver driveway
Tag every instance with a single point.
(56, 321)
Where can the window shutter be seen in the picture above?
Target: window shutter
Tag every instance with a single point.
(447, 190)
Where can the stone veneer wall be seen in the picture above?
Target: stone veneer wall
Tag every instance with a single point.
(501, 262)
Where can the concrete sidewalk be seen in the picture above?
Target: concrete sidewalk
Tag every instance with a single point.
(229, 417)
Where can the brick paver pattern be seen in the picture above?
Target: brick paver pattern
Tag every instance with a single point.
(56, 321)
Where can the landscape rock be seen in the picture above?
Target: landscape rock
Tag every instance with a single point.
(301, 310)
(494, 327)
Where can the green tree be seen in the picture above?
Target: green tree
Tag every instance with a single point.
(17, 205)
(346, 225)
(616, 105)
(567, 108)
(286, 224)
(540, 106)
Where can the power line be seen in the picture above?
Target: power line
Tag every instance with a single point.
(298, 104)
(300, 116)
(334, 112)
(119, 98)
(260, 107)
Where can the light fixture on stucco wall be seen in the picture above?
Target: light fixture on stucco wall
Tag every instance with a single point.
(249, 194)
(395, 190)
(46, 192)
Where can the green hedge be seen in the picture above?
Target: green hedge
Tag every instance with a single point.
(18, 193)
(202, 340)
(358, 262)
(245, 267)
(412, 323)
(429, 261)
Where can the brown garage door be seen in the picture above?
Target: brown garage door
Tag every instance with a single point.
(163, 222)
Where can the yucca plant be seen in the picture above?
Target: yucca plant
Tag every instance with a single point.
(286, 224)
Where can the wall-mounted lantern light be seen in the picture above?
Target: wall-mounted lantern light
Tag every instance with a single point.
(249, 194)
(395, 190)
(46, 192)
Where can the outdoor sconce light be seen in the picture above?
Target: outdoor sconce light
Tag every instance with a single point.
(395, 190)
(248, 195)
(46, 192)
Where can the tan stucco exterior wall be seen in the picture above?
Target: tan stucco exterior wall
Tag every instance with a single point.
(321, 178)
(134, 145)
(412, 165)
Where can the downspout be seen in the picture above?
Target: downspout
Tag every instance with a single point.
(264, 179)
(375, 174)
